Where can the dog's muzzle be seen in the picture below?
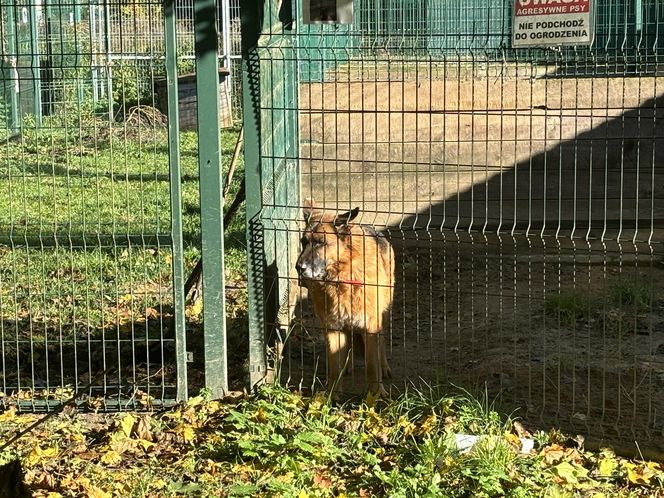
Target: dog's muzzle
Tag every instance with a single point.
(309, 270)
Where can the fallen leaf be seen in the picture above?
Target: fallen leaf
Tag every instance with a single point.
(322, 481)
(641, 473)
(520, 430)
(553, 454)
(142, 429)
(429, 424)
(151, 313)
(8, 415)
(127, 424)
(111, 457)
(187, 432)
(569, 473)
(607, 466)
(37, 454)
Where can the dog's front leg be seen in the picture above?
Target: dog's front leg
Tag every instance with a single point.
(373, 355)
(337, 356)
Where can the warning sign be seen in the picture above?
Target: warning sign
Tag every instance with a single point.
(546, 23)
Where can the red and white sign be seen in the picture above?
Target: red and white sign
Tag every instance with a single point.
(547, 23)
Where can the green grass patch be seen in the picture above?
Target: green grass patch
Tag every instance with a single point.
(67, 191)
(631, 294)
(568, 306)
(622, 303)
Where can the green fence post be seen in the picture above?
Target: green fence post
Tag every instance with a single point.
(176, 200)
(212, 225)
(251, 26)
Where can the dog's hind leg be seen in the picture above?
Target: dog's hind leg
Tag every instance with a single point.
(373, 357)
(337, 346)
(385, 366)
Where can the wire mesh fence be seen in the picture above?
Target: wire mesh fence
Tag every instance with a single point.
(520, 190)
(89, 237)
(114, 47)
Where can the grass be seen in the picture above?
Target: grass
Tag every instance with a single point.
(568, 306)
(621, 304)
(279, 443)
(69, 189)
(631, 294)
(92, 181)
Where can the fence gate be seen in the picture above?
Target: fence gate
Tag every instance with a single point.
(520, 189)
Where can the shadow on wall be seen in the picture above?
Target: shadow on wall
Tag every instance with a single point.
(610, 177)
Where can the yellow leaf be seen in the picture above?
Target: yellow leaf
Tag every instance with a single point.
(127, 424)
(8, 415)
(303, 494)
(50, 451)
(553, 454)
(145, 444)
(640, 473)
(407, 426)
(92, 491)
(513, 440)
(195, 401)
(429, 424)
(37, 454)
(188, 433)
(111, 458)
(194, 310)
(286, 478)
(607, 466)
(125, 298)
(260, 415)
(95, 492)
(569, 473)
(372, 398)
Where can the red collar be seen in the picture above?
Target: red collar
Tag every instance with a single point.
(355, 283)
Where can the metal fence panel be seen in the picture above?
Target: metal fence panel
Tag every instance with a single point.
(87, 252)
(519, 188)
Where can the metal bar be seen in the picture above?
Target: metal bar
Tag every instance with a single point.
(108, 52)
(226, 46)
(34, 64)
(212, 226)
(176, 199)
(14, 119)
(84, 240)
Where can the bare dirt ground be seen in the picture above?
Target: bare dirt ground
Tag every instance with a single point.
(558, 334)
(560, 312)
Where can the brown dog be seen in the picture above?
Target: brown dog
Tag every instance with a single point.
(349, 272)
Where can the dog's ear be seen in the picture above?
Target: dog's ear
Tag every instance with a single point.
(345, 218)
(308, 210)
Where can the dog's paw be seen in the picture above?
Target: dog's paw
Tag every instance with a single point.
(378, 391)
